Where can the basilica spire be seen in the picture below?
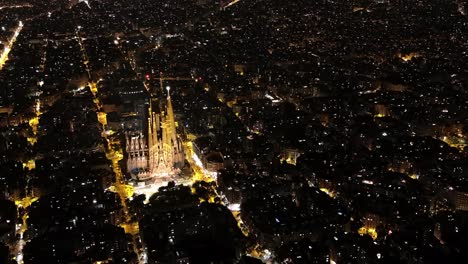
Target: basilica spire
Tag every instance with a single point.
(170, 117)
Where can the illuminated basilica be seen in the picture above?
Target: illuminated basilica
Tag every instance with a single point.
(155, 158)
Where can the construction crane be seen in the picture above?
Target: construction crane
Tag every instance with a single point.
(162, 79)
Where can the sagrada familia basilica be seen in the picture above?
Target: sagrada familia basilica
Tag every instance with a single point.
(155, 158)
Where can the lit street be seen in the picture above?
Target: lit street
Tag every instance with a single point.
(6, 51)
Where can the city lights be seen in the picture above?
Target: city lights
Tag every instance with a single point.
(233, 131)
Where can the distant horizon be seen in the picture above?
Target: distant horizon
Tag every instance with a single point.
(233, 131)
